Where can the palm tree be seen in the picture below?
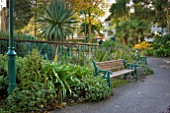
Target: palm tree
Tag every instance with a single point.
(132, 28)
(57, 22)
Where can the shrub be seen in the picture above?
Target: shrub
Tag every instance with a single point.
(161, 46)
(92, 88)
(3, 73)
(103, 55)
(34, 91)
(40, 83)
(62, 76)
(146, 68)
(108, 45)
(143, 45)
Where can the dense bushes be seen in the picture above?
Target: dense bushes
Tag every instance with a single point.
(161, 46)
(42, 85)
(3, 73)
(110, 50)
(92, 88)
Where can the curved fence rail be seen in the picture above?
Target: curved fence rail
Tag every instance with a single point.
(65, 51)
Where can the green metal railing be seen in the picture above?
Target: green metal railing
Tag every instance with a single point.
(66, 52)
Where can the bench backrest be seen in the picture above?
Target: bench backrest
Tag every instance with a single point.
(112, 65)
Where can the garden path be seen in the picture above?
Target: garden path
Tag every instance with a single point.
(149, 96)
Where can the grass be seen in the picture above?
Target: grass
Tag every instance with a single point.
(118, 82)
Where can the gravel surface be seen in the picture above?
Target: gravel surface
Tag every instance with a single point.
(151, 95)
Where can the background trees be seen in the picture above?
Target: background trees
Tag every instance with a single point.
(146, 11)
(23, 13)
(93, 9)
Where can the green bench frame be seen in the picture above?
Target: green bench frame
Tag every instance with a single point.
(104, 68)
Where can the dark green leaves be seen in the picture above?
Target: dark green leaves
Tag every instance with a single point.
(56, 23)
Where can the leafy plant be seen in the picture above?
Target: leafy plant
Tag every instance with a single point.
(3, 73)
(34, 91)
(92, 88)
(103, 55)
(62, 76)
(161, 46)
(108, 44)
(56, 23)
(147, 69)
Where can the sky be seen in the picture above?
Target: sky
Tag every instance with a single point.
(2, 3)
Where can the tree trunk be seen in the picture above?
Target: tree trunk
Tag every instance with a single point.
(135, 40)
(125, 40)
(35, 17)
(168, 26)
(89, 25)
(142, 38)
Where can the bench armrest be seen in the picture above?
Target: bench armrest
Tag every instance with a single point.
(104, 71)
(131, 66)
(98, 70)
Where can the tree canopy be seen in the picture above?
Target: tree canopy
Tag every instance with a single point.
(93, 9)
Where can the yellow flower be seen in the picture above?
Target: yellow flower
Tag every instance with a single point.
(138, 46)
(143, 45)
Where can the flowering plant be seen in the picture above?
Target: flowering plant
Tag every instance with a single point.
(143, 45)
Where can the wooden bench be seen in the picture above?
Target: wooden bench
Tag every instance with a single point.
(114, 68)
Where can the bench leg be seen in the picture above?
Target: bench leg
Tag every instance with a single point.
(125, 75)
(108, 79)
(135, 75)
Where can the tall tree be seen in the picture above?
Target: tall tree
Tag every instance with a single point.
(91, 8)
(22, 13)
(132, 29)
(38, 7)
(119, 11)
(162, 12)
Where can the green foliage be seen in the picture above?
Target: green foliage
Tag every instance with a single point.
(120, 10)
(81, 59)
(102, 55)
(149, 51)
(31, 69)
(34, 90)
(118, 82)
(147, 69)
(40, 83)
(22, 13)
(108, 45)
(161, 46)
(36, 98)
(132, 29)
(56, 23)
(63, 77)
(122, 51)
(92, 88)
(23, 48)
(3, 73)
(5, 34)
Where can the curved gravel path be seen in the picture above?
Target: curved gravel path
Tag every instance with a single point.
(149, 96)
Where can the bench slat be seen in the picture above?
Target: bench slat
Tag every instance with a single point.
(113, 68)
(119, 60)
(111, 63)
(121, 72)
